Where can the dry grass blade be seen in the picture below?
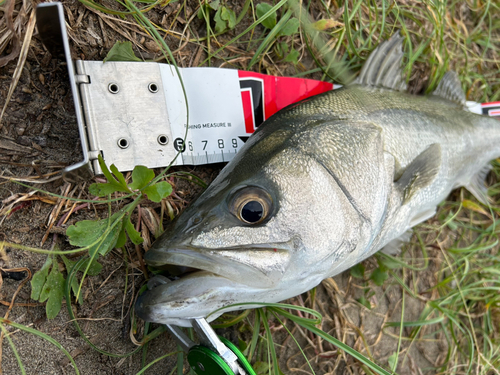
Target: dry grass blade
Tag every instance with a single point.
(121, 26)
(55, 213)
(9, 33)
(152, 220)
(20, 62)
(16, 202)
(10, 145)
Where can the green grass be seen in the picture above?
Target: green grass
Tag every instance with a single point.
(451, 268)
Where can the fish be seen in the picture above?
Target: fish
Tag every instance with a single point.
(320, 186)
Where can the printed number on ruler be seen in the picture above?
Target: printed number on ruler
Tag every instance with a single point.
(220, 143)
(209, 149)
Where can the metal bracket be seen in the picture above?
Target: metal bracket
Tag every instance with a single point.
(52, 30)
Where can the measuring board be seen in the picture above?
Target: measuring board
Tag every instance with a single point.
(136, 113)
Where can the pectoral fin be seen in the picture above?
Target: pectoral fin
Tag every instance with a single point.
(420, 173)
(420, 217)
(394, 247)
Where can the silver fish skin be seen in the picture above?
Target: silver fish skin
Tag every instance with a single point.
(338, 176)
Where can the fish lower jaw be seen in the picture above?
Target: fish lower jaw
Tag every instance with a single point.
(198, 295)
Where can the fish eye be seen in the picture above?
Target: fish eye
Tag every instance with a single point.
(251, 205)
(252, 212)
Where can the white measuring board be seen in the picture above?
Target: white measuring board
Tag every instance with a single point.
(216, 118)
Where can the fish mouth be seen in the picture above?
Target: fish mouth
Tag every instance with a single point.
(216, 279)
(256, 266)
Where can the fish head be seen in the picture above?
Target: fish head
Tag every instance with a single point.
(269, 227)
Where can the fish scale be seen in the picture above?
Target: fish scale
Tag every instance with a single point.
(335, 178)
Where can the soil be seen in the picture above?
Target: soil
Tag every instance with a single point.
(38, 137)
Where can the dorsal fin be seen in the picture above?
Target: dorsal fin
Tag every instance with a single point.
(383, 67)
(450, 88)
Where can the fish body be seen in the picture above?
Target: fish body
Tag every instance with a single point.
(320, 186)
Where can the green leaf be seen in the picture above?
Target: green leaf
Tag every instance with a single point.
(214, 4)
(53, 292)
(378, 276)
(453, 226)
(141, 176)
(105, 170)
(134, 235)
(121, 51)
(365, 302)
(39, 278)
(386, 262)
(393, 361)
(108, 243)
(164, 189)
(242, 345)
(90, 232)
(282, 49)
(270, 21)
(102, 190)
(261, 368)
(200, 12)
(94, 269)
(158, 191)
(112, 185)
(74, 283)
(118, 175)
(86, 232)
(292, 57)
(358, 271)
(122, 238)
(54, 303)
(322, 25)
(291, 27)
(229, 16)
(220, 24)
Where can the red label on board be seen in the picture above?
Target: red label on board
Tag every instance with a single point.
(264, 95)
(246, 98)
(491, 109)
